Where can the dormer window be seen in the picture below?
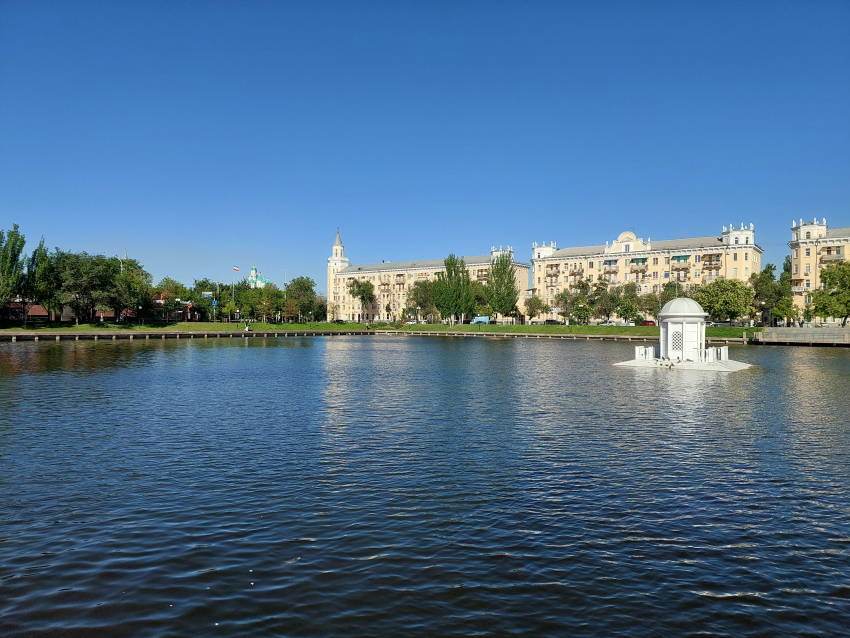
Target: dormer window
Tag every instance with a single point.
(736, 241)
(747, 240)
(808, 235)
(627, 248)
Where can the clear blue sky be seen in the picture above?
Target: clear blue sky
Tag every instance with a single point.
(202, 135)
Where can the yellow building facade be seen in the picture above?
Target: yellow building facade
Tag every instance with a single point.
(814, 246)
(393, 281)
(649, 264)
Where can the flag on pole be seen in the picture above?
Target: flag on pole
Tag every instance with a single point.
(235, 269)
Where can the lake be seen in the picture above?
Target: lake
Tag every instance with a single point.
(416, 486)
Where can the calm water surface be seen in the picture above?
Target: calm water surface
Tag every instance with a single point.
(413, 486)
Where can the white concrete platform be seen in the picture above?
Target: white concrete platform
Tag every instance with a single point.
(715, 366)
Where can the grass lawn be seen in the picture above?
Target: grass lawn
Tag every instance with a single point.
(188, 326)
(637, 331)
(193, 326)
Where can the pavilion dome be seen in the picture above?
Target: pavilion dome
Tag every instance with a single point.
(681, 307)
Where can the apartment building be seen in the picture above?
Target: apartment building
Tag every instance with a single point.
(814, 245)
(649, 264)
(393, 280)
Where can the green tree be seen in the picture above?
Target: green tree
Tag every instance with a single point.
(200, 304)
(535, 306)
(289, 309)
(453, 293)
(12, 265)
(628, 309)
(582, 310)
(420, 299)
(564, 303)
(363, 291)
(130, 287)
(766, 292)
(35, 284)
(320, 308)
(725, 298)
(605, 300)
(389, 310)
(502, 289)
(833, 300)
(670, 291)
(786, 309)
(302, 290)
(173, 295)
(649, 304)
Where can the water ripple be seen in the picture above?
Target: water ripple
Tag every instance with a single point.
(419, 487)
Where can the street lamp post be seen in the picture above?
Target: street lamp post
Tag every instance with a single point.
(418, 308)
(140, 316)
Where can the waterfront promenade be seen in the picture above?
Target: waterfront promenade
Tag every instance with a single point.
(771, 336)
(126, 335)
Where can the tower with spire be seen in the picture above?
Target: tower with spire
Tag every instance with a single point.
(336, 262)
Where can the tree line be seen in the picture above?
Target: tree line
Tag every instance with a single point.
(453, 295)
(91, 284)
(765, 297)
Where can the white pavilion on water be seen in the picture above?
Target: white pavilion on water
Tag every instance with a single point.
(682, 343)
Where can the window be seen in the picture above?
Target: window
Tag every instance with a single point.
(655, 288)
(655, 274)
(666, 275)
(808, 252)
(626, 276)
(808, 268)
(746, 271)
(736, 241)
(747, 240)
(590, 277)
(539, 268)
(746, 256)
(808, 283)
(666, 261)
(734, 256)
(638, 290)
(734, 272)
(808, 235)
(696, 273)
(698, 258)
(796, 269)
(628, 262)
(627, 248)
(829, 251)
(538, 280)
(655, 261)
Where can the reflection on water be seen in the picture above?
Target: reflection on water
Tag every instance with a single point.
(416, 486)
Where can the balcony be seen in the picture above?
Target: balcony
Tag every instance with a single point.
(551, 281)
(798, 289)
(831, 258)
(639, 267)
(680, 265)
(577, 272)
(552, 272)
(710, 263)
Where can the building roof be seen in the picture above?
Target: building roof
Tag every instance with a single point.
(681, 307)
(338, 241)
(838, 232)
(665, 244)
(421, 264)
